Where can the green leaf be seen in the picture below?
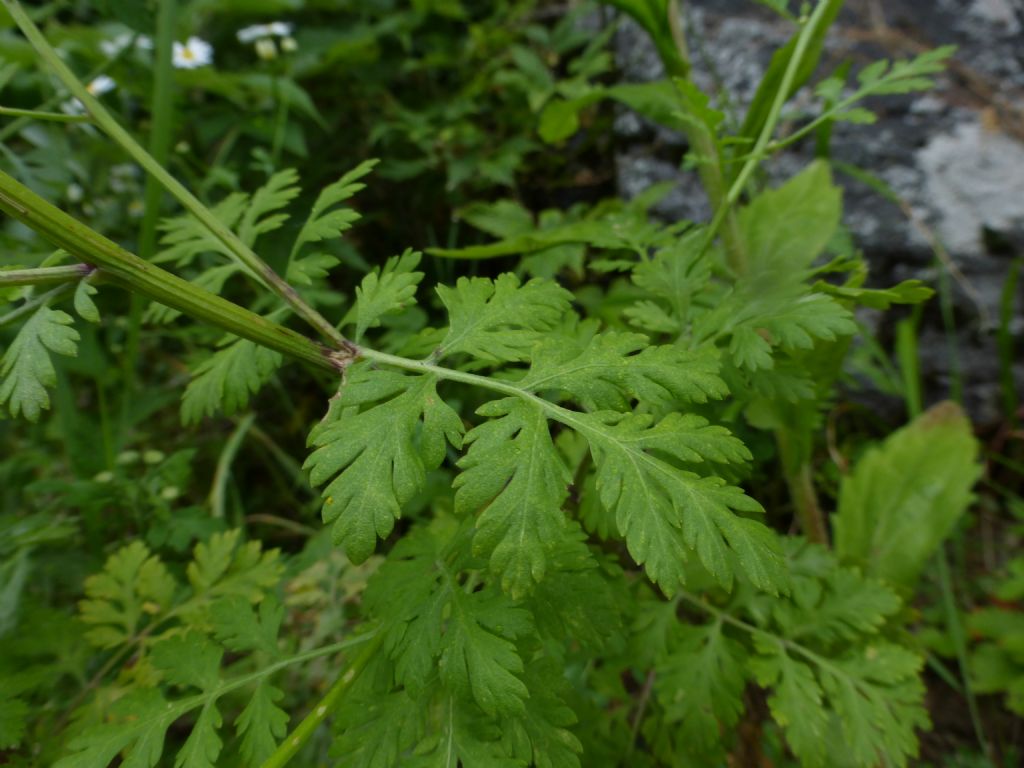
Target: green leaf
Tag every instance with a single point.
(227, 379)
(787, 228)
(325, 221)
(387, 291)
(26, 370)
(377, 731)
(224, 566)
(666, 513)
(262, 724)
(700, 684)
(203, 745)
(514, 476)
(84, 305)
(241, 629)
(188, 660)
(377, 458)
(133, 585)
(609, 370)
(771, 83)
(500, 319)
(276, 194)
(478, 657)
(905, 496)
(906, 292)
(185, 238)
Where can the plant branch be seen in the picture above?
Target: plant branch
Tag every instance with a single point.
(118, 266)
(34, 304)
(32, 114)
(45, 275)
(104, 120)
(304, 730)
(781, 97)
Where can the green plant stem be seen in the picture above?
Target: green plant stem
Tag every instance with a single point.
(304, 730)
(33, 304)
(223, 471)
(800, 481)
(757, 153)
(956, 631)
(105, 121)
(45, 275)
(54, 117)
(118, 266)
(710, 166)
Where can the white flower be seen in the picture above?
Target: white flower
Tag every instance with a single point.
(75, 193)
(256, 31)
(288, 44)
(192, 53)
(99, 86)
(118, 43)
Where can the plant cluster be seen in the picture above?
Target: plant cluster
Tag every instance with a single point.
(561, 450)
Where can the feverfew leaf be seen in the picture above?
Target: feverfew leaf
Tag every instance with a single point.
(388, 290)
(26, 370)
(500, 319)
(224, 566)
(84, 305)
(904, 496)
(377, 458)
(133, 585)
(262, 724)
(700, 684)
(13, 714)
(188, 660)
(325, 221)
(377, 731)
(478, 656)
(609, 370)
(665, 513)
(227, 379)
(138, 723)
(241, 629)
(279, 190)
(514, 476)
(203, 745)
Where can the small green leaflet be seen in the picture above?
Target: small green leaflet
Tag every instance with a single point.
(325, 220)
(26, 370)
(513, 473)
(665, 513)
(84, 305)
(500, 320)
(259, 216)
(376, 459)
(227, 379)
(436, 630)
(700, 684)
(385, 291)
(608, 370)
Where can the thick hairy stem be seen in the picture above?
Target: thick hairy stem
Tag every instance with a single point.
(115, 264)
(105, 121)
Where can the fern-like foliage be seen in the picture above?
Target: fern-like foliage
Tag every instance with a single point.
(26, 370)
(181, 634)
(830, 672)
(388, 428)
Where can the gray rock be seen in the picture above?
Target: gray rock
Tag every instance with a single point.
(955, 156)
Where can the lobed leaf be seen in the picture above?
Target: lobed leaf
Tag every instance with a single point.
(501, 319)
(26, 370)
(376, 458)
